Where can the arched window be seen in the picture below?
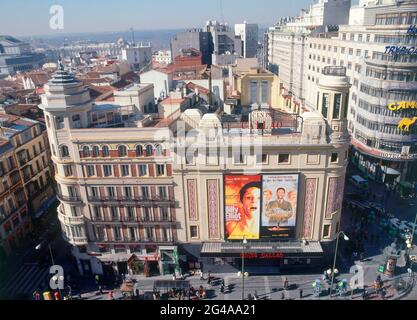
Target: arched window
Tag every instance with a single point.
(139, 151)
(63, 152)
(149, 150)
(122, 151)
(86, 152)
(105, 151)
(158, 150)
(96, 151)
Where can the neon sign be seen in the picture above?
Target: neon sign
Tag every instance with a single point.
(272, 255)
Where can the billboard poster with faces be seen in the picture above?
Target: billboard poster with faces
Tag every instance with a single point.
(242, 206)
(279, 206)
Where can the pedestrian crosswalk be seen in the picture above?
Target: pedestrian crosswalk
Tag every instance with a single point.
(25, 281)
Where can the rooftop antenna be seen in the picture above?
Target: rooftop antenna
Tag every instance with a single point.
(221, 11)
(133, 36)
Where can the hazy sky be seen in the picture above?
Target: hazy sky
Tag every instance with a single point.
(31, 17)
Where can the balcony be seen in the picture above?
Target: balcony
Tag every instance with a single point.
(135, 220)
(68, 220)
(132, 200)
(73, 199)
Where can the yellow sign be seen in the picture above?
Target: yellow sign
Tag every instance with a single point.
(403, 105)
(405, 123)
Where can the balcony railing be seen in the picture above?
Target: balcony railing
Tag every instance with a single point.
(69, 198)
(141, 220)
(68, 220)
(130, 199)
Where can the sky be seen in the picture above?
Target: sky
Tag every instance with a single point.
(32, 17)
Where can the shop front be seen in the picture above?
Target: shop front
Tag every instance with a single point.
(260, 257)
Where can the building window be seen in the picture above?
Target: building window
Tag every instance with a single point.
(97, 212)
(76, 121)
(96, 151)
(326, 231)
(64, 151)
(325, 105)
(117, 233)
(160, 170)
(239, 158)
(105, 151)
(164, 214)
(86, 152)
(194, 232)
(68, 170)
(143, 170)
(335, 157)
(163, 192)
(284, 158)
(159, 150)
(128, 192)
(107, 170)
(125, 170)
(139, 151)
(90, 171)
(132, 233)
(145, 192)
(337, 105)
(122, 151)
(94, 192)
(262, 158)
(149, 150)
(113, 212)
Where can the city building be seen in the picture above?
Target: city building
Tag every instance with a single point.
(255, 86)
(140, 95)
(138, 56)
(15, 222)
(193, 39)
(227, 46)
(115, 184)
(27, 186)
(162, 80)
(163, 57)
(249, 35)
(268, 154)
(17, 56)
(379, 78)
(287, 39)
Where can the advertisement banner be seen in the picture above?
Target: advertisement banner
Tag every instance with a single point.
(279, 206)
(242, 206)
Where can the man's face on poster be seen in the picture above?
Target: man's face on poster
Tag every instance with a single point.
(251, 200)
(268, 195)
(280, 194)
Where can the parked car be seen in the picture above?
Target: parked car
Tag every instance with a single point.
(359, 182)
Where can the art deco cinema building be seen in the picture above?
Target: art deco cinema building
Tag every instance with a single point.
(150, 196)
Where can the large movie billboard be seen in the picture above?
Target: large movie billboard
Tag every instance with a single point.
(242, 206)
(279, 206)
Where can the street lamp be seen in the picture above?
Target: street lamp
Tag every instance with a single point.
(346, 238)
(244, 243)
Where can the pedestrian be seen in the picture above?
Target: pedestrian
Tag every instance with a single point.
(301, 293)
(111, 296)
(286, 284)
(282, 296)
(36, 295)
(100, 289)
(56, 295)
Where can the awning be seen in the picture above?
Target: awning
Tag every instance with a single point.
(390, 171)
(172, 284)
